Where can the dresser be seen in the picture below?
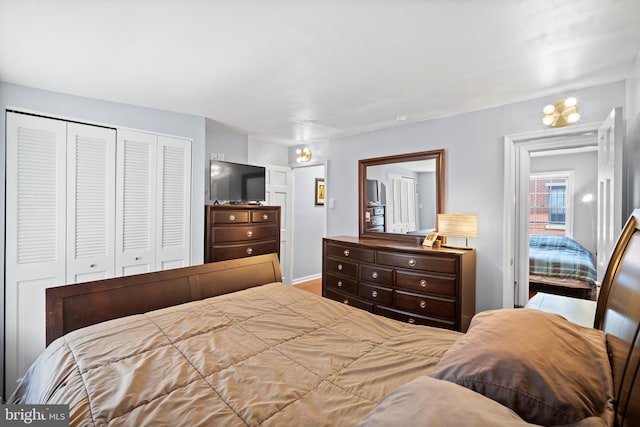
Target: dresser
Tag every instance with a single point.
(238, 231)
(406, 282)
(374, 218)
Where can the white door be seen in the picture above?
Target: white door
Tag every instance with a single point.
(173, 241)
(35, 234)
(136, 203)
(609, 188)
(402, 210)
(91, 159)
(278, 193)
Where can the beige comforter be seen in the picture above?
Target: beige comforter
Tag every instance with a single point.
(271, 355)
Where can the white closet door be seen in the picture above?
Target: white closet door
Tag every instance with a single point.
(136, 203)
(173, 203)
(91, 181)
(35, 234)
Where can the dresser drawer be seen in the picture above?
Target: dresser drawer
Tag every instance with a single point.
(441, 285)
(263, 216)
(345, 285)
(240, 233)
(349, 300)
(377, 220)
(424, 305)
(231, 217)
(378, 210)
(342, 267)
(377, 294)
(414, 319)
(376, 274)
(224, 252)
(418, 262)
(348, 252)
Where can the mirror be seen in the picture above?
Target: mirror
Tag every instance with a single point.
(400, 196)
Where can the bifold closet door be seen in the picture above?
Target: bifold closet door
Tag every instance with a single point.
(136, 203)
(35, 233)
(91, 177)
(173, 243)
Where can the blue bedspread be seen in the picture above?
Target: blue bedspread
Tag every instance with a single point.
(562, 257)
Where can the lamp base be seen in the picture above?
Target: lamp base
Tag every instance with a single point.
(464, 248)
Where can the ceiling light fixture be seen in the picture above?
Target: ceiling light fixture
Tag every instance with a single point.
(561, 113)
(304, 155)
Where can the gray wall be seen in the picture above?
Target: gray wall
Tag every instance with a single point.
(585, 169)
(263, 153)
(426, 201)
(474, 168)
(632, 141)
(308, 223)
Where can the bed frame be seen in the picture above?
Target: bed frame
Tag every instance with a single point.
(73, 307)
(617, 312)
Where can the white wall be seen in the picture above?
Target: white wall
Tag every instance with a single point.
(474, 168)
(308, 224)
(585, 169)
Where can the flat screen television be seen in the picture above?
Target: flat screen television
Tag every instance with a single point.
(236, 182)
(372, 191)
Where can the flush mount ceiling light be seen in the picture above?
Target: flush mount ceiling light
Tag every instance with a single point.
(562, 113)
(304, 154)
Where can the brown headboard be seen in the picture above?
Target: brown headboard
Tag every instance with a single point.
(618, 315)
(72, 307)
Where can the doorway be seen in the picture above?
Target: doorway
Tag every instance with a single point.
(517, 170)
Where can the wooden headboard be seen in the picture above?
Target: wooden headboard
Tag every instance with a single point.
(72, 307)
(618, 315)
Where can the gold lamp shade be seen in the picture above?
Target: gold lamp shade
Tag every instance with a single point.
(458, 225)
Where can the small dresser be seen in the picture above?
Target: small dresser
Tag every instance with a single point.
(238, 231)
(406, 282)
(374, 220)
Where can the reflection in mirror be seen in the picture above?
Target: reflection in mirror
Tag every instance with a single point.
(407, 191)
(400, 196)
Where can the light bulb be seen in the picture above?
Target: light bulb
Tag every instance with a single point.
(573, 117)
(547, 120)
(548, 109)
(570, 102)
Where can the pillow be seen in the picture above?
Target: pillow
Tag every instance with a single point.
(427, 401)
(548, 370)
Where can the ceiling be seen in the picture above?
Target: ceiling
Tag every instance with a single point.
(308, 70)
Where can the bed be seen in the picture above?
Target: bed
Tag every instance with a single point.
(270, 354)
(560, 265)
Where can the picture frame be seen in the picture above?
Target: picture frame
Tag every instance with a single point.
(320, 192)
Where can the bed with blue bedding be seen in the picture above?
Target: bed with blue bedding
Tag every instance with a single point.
(560, 265)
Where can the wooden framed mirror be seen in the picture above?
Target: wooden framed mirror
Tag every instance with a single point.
(400, 196)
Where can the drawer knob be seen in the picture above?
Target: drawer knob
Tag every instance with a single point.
(423, 283)
(232, 217)
(249, 251)
(412, 262)
(374, 274)
(346, 301)
(346, 252)
(265, 216)
(340, 267)
(137, 258)
(249, 233)
(374, 294)
(92, 265)
(423, 304)
(339, 283)
(411, 320)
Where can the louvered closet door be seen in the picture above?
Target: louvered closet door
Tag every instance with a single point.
(136, 203)
(35, 233)
(174, 203)
(91, 181)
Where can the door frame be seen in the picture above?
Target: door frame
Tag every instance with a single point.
(517, 166)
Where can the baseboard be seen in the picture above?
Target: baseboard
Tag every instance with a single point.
(306, 279)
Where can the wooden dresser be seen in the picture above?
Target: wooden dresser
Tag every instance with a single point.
(374, 220)
(238, 231)
(406, 282)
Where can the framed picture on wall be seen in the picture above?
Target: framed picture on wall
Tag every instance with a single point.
(320, 192)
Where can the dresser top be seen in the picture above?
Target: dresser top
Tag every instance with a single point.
(392, 244)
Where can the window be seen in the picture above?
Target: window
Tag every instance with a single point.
(550, 203)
